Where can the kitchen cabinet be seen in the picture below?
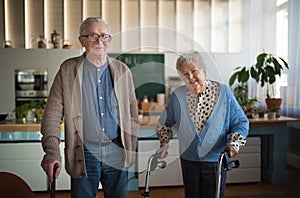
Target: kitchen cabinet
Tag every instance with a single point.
(263, 157)
(273, 135)
(21, 153)
(250, 160)
(24, 159)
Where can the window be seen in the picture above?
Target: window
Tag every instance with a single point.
(281, 39)
(218, 25)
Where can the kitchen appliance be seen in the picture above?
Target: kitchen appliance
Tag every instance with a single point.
(3, 116)
(30, 84)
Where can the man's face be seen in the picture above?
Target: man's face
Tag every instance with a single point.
(98, 47)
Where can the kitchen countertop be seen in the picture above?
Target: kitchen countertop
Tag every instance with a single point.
(14, 130)
(281, 121)
(14, 125)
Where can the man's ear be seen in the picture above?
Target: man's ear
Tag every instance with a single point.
(81, 41)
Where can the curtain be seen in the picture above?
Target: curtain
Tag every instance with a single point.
(291, 93)
(255, 34)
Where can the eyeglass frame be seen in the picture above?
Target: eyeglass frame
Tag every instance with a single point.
(92, 36)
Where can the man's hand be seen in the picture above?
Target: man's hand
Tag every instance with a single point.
(163, 150)
(49, 167)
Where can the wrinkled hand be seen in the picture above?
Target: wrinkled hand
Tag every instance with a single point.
(231, 150)
(163, 150)
(132, 161)
(48, 168)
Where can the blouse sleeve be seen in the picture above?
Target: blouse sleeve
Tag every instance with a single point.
(164, 133)
(235, 139)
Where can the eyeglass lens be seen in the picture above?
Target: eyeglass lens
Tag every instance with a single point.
(95, 37)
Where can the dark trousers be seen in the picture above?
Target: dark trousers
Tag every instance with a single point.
(200, 179)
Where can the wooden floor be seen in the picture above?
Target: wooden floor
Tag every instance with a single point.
(247, 190)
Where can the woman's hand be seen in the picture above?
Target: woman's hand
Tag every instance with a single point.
(163, 150)
(231, 150)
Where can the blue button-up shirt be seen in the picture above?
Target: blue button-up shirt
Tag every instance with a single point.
(99, 104)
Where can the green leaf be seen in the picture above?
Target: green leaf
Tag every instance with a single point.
(284, 62)
(232, 78)
(238, 68)
(260, 59)
(254, 74)
(243, 75)
(277, 67)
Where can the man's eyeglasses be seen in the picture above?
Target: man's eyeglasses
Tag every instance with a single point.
(95, 37)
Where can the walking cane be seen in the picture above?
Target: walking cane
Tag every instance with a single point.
(52, 184)
(224, 159)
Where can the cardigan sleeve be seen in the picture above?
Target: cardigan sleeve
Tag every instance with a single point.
(167, 120)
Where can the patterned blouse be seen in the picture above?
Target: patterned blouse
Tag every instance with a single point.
(200, 109)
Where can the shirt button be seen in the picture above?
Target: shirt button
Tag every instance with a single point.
(103, 129)
(100, 97)
(102, 114)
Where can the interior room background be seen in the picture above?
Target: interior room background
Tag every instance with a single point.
(230, 32)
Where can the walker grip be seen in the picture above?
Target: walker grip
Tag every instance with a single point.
(228, 163)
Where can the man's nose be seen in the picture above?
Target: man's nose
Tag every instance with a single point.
(99, 40)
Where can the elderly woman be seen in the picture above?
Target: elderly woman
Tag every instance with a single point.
(209, 121)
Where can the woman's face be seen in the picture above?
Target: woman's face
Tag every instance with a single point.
(194, 78)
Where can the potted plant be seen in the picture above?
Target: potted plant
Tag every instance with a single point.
(265, 71)
(248, 104)
(27, 110)
(272, 113)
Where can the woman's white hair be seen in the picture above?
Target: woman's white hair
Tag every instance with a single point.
(192, 57)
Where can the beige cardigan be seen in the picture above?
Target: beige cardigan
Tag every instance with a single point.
(64, 105)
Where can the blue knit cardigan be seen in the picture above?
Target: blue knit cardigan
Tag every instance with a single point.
(227, 117)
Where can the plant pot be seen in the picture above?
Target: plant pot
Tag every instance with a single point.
(261, 114)
(272, 115)
(274, 104)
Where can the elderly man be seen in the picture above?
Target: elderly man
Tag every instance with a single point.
(94, 96)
